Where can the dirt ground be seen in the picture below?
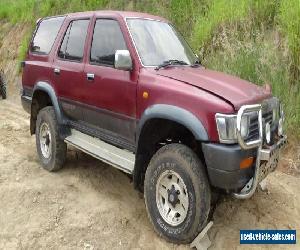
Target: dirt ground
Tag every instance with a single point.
(90, 205)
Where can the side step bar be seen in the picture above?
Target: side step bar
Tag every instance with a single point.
(118, 158)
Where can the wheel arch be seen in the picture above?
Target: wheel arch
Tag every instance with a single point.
(176, 114)
(160, 120)
(44, 95)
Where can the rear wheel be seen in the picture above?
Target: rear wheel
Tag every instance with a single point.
(51, 149)
(177, 193)
(2, 86)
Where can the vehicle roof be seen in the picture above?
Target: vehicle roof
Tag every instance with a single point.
(123, 14)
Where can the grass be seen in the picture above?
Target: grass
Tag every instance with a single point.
(221, 11)
(257, 62)
(289, 21)
(258, 40)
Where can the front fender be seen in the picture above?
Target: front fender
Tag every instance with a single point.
(176, 114)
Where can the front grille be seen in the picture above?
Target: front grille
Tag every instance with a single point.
(253, 128)
(268, 106)
(268, 117)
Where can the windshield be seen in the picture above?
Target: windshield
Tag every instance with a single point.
(158, 42)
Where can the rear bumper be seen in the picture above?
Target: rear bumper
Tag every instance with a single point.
(26, 103)
(223, 165)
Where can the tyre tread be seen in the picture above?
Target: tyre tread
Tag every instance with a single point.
(60, 145)
(3, 89)
(197, 168)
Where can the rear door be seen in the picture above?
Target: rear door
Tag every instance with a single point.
(68, 68)
(110, 94)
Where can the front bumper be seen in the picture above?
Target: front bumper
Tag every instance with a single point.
(223, 164)
(266, 162)
(223, 161)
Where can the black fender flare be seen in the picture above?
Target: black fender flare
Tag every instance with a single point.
(176, 114)
(47, 88)
(171, 113)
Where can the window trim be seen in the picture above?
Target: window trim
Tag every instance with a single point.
(91, 44)
(38, 53)
(63, 37)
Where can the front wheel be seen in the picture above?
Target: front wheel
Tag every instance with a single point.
(51, 149)
(177, 193)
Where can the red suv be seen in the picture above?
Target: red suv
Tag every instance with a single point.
(127, 89)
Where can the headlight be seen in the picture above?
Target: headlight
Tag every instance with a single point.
(226, 125)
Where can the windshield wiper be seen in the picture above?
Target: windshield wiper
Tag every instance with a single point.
(171, 62)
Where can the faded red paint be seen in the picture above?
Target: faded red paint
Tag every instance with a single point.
(201, 91)
(235, 90)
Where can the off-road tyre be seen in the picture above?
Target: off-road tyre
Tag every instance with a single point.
(56, 160)
(3, 92)
(182, 160)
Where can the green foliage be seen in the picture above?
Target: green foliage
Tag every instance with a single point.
(30, 10)
(256, 61)
(23, 49)
(184, 13)
(257, 40)
(264, 12)
(289, 20)
(221, 11)
(251, 14)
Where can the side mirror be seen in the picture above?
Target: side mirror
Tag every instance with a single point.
(123, 60)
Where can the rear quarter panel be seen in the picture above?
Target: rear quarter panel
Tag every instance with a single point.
(38, 67)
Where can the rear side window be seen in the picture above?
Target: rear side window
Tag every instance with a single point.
(45, 35)
(107, 38)
(72, 46)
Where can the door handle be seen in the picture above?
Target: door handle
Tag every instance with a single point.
(90, 76)
(56, 71)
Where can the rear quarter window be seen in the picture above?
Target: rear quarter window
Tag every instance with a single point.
(45, 35)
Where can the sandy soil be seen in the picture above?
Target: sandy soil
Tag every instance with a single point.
(90, 205)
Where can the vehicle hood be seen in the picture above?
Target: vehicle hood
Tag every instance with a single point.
(232, 89)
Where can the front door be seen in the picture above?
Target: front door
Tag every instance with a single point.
(110, 93)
